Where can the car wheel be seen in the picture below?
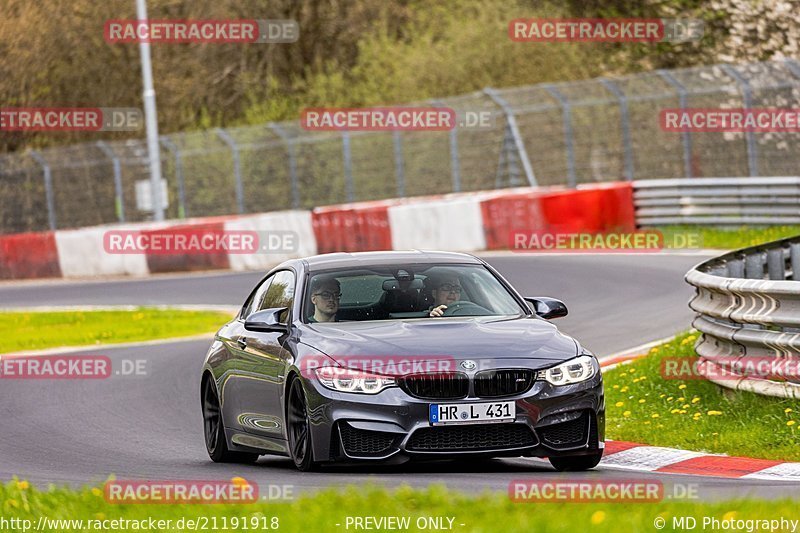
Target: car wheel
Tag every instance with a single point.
(576, 463)
(299, 428)
(214, 430)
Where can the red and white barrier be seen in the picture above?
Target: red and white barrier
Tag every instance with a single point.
(467, 222)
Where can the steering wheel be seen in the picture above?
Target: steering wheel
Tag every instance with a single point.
(464, 308)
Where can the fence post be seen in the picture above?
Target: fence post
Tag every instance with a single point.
(795, 259)
(118, 202)
(776, 264)
(399, 163)
(686, 136)
(237, 168)
(290, 149)
(455, 163)
(511, 120)
(626, 125)
(566, 110)
(176, 152)
(48, 188)
(348, 166)
(747, 100)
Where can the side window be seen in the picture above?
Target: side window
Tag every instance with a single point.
(254, 304)
(280, 293)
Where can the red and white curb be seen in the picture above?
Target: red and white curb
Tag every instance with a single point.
(656, 459)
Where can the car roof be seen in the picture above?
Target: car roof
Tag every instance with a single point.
(359, 259)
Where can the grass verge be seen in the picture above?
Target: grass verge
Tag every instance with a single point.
(642, 406)
(728, 239)
(35, 330)
(328, 510)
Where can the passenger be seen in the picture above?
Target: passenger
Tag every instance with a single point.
(325, 295)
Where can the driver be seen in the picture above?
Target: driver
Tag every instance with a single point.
(325, 295)
(446, 291)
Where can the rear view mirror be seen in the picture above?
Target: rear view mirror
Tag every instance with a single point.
(393, 284)
(266, 320)
(547, 307)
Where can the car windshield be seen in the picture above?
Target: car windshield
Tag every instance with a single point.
(406, 291)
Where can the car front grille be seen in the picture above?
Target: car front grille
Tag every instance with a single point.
(363, 443)
(471, 438)
(436, 386)
(498, 383)
(566, 434)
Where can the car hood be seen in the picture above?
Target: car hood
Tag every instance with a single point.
(476, 338)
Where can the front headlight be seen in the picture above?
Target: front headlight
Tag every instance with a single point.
(573, 371)
(348, 380)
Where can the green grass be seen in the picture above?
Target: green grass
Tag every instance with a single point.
(35, 330)
(323, 510)
(643, 407)
(729, 239)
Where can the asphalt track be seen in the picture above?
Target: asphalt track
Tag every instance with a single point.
(150, 427)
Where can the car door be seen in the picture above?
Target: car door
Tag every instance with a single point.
(236, 373)
(265, 359)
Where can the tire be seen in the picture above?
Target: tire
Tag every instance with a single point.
(576, 463)
(214, 429)
(298, 427)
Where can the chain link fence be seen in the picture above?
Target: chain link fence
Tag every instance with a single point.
(547, 134)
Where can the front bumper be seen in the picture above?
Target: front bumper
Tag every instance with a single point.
(393, 426)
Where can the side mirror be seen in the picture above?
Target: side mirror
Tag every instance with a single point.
(266, 320)
(547, 307)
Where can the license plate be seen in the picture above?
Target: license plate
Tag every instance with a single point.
(471, 413)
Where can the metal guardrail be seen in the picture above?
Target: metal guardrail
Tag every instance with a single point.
(718, 201)
(748, 305)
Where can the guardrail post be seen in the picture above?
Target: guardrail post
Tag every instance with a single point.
(118, 203)
(455, 164)
(237, 168)
(735, 268)
(776, 264)
(686, 136)
(399, 163)
(511, 120)
(348, 166)
(754, 265)
(48, 188)
(626, 125)
(747, 100)
(290, 148)
(794, 250)
(566, 112)
(176, 152)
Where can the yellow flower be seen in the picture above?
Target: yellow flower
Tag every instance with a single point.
(787, 410)
(616, 386)
(730, 515)
(632, 370)
(97, 492)
(681, 399)
(790, 423)
(661, 395)
(12, 503)
(642, 378)
(682, 411)
(647, 423)
(624, 389)
(626, 413)
(698, 415)
(695, 399)
(642, 400)
(681, 386)
(686, 406)
(637, 380)
(714, 413)
(675, 411)
(654, 415)
(670, 399)
(23, 485)
(598, 517)
(619, 404)
(100, 516)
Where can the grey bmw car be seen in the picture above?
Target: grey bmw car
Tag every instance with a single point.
(396, 356)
